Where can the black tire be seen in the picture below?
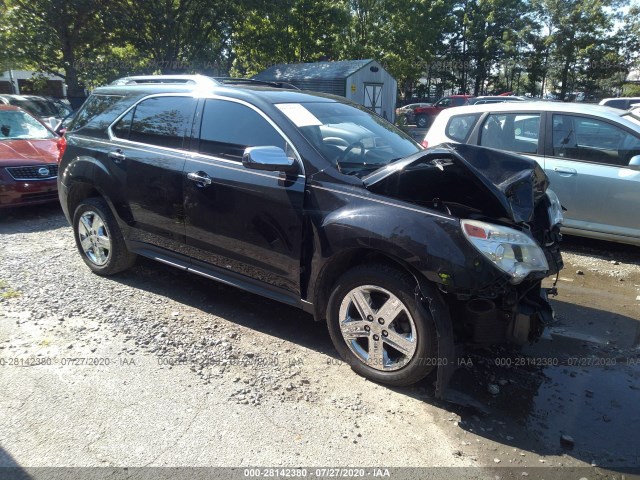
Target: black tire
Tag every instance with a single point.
(422, 121)
(409, 369)
(100, 260)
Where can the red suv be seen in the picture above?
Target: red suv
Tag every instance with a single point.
(424, 115)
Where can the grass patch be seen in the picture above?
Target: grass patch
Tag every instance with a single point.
(8, 292)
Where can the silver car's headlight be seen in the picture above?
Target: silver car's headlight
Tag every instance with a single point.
(513, 252)
(555, 208)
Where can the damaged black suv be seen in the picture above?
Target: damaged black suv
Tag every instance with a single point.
(314, 201)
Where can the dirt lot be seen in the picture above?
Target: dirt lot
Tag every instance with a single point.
(156, 367)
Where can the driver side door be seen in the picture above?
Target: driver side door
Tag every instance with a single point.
(245, 222)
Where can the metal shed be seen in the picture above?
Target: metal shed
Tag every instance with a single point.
(363, 81)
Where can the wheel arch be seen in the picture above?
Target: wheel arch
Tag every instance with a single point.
(345, 260)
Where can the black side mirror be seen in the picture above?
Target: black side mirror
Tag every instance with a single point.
(272, 159)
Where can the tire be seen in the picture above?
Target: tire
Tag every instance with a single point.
(99, 239)
(422, 121)
(387, 297)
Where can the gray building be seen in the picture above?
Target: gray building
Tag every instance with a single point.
(362, 81)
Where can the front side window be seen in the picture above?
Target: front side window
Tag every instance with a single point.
(228, 128)
(162, 121)
(444, 103)
(592, 140)
(514, 132)
(17, 125)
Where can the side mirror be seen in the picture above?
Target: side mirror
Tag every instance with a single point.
(272, 159)
(635, 162)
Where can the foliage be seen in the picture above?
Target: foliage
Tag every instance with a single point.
(429, 46)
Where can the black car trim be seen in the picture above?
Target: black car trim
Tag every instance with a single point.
(203, 96)
(377, 200)
(218, 274)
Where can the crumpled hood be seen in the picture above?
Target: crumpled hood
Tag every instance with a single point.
(493, 183)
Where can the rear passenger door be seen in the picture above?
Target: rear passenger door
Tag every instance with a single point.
(245, 222)
(149, 149)
(587, 164)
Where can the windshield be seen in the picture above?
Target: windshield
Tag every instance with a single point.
(16, 125)
(351, 138)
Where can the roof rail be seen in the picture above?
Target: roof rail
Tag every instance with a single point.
(199, 80)
(251, 81)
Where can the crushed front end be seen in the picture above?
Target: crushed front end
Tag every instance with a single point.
(510, 234)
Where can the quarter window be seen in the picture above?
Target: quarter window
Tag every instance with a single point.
(228, 128)
(459, 127)
(514, 132)
(591, 140)
(93, 107)
(161, 121)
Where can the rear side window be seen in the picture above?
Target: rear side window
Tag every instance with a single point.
(228, 128)
(514, 132)
(459, 127)
(160, 121)
(94, 106)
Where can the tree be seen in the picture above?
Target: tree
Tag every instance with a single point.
(285, 32)
(57, 36)
(181, 35)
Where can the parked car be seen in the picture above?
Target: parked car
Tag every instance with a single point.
(623, 103)
(424, 115)
(29, 154)
(407, 111)
(50, 111)
(590, 153)
(495, 99)
(316, 202)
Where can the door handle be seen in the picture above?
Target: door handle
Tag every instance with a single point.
(565, 170)
(117, 156)
(201, 178)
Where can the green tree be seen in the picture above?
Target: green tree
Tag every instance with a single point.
(285, 32)
(58, 36)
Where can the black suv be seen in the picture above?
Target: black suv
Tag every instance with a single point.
(314, 201)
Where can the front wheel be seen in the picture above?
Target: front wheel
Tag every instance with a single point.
(377, 327)
(99, 239)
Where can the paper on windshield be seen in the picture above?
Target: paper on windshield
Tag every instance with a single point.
(298, 114)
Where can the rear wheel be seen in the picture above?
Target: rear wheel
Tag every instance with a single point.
(99, 239)
(422, 121)
(377, 327)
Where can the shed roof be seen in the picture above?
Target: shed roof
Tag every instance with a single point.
(312, 71)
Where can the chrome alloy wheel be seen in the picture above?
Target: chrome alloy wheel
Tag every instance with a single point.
(378, 328)
(94, 238)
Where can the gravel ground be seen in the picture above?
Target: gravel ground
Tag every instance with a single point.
(188, 350)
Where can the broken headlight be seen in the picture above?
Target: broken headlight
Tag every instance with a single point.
(513, 252)
(555, 208)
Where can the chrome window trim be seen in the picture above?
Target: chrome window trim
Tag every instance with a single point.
(203, 96)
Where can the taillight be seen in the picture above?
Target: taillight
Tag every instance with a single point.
(425, 144)
(62, 146)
